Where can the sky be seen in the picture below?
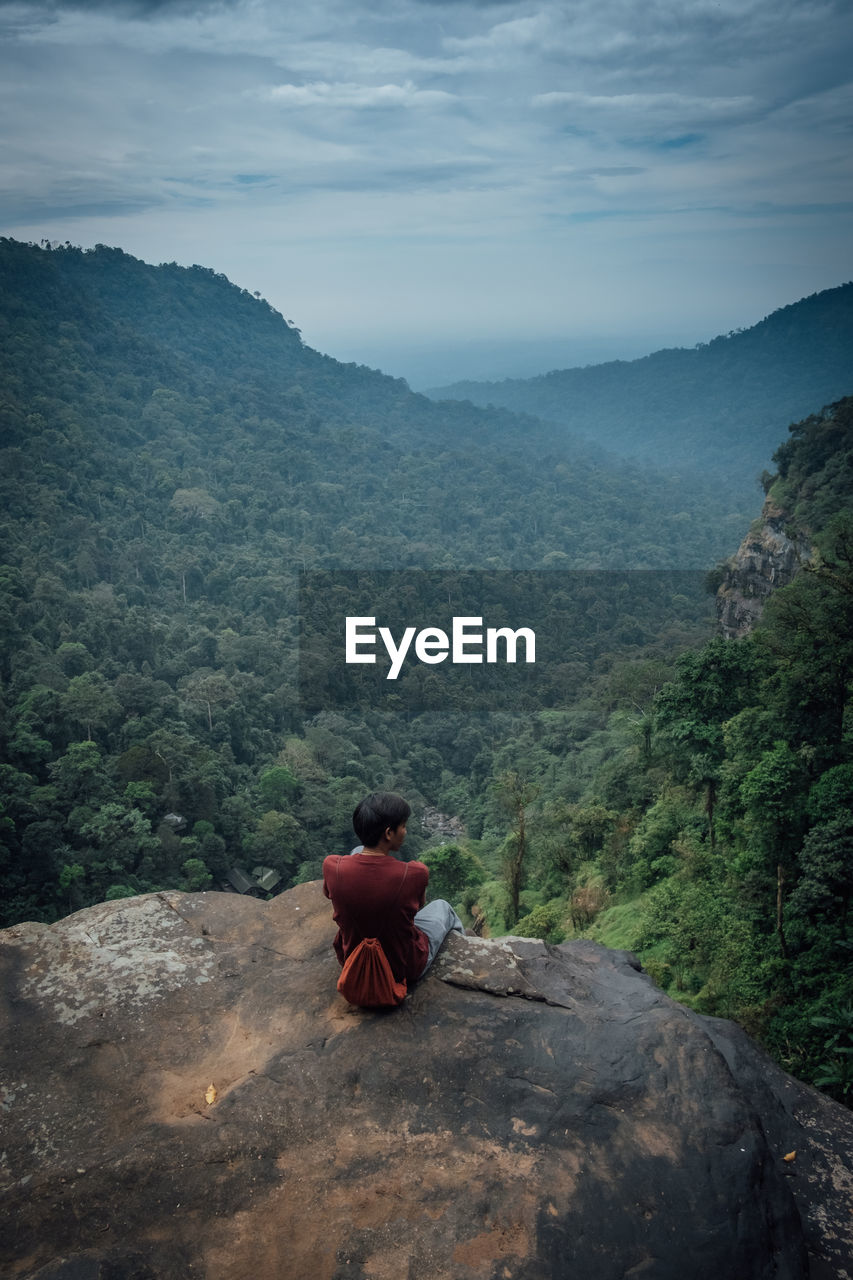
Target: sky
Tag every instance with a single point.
(448, 188)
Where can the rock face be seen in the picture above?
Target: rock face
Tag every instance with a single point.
(443, 824)
(530, 1112)
(767, 558)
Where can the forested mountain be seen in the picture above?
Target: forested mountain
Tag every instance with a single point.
(172, 455)
(725, 404)
(175, 394)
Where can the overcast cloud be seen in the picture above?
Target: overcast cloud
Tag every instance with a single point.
(435, 173)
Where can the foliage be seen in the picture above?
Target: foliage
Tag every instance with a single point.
(515, 794)
(454, 874)
(836, 1072)
(174, 456)
(543, 922)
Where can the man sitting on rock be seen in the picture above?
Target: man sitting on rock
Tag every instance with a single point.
(375, 895)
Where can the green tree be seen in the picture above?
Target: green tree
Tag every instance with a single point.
(826, 873)
(543, 922)
(773, 796)
(515, 794)
(89, 701)
(117, 891)
(211, 689)
(141, 795)
(196, 876)
(79, 775)
(70, 877)
(120, 841)
(275, 842)
(831, 796)
(808, 629)
(712, 686)
(278, 787)
(38, 723)
(590, 824)
(74, 658)
(835, 1073)
(452, 870)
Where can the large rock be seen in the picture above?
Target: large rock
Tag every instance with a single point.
(767, 558)
(529, 1112)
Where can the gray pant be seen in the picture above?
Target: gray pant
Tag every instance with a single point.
(437, 919)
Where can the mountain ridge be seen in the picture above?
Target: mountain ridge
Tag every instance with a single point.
(107, 351)
(725, 401)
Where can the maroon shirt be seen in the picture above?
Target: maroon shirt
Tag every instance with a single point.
(371, 899)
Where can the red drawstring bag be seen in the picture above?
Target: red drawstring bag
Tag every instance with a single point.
(366, 978)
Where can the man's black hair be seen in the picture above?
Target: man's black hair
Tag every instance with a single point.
(376, 812)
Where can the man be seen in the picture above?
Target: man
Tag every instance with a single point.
(375, 895)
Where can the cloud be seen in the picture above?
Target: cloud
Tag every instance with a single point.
(602, 171)
(516, 33)
(125, 7)
(633, 102)
(533, 139)
(357, 96)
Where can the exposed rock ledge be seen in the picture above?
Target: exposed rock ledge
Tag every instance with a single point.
(768, 558)
(530, 1112)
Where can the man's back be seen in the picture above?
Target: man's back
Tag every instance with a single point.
(375, 896)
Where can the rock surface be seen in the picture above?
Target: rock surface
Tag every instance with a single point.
(530, 1112)
(767, 558)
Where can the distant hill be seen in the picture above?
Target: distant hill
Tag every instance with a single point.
(724, 404)
(127, 386)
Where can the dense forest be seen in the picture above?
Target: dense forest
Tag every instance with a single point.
(714, 837)
(176, 462)
(725, 403)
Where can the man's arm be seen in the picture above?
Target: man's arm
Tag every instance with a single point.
(327, 866)
(423, 891)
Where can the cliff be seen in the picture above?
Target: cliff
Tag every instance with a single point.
(767, 558)
(530, 1112)
(813, 488)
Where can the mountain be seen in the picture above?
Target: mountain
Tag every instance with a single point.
(127, 387)
(725, 404)
(173, 455)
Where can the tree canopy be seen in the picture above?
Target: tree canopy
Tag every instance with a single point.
(174, 460)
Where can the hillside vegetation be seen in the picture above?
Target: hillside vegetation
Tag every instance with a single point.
(714, 835)
(173, 454)
(725, 404)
